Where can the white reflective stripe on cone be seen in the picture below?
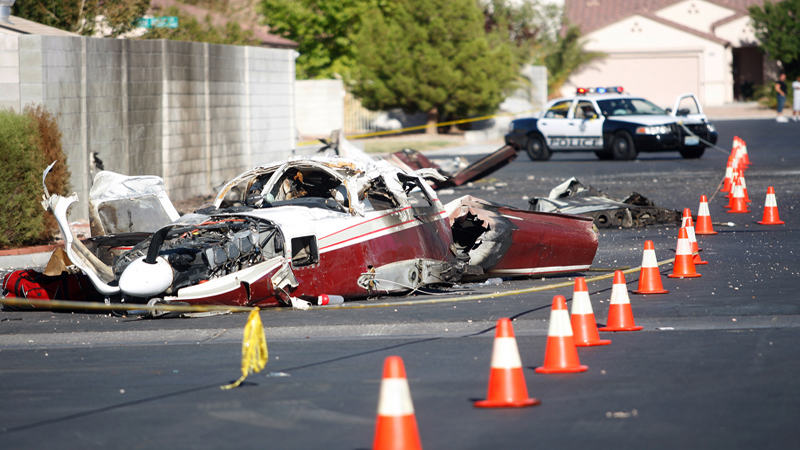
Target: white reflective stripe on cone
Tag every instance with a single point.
(395, 398)
(581, 303)
(683, 222)
(505, 354)
(560, 324)
(690, 234)
(703, 209)
(684, 247)
(649, 259)
(619, 294)
(770, 201)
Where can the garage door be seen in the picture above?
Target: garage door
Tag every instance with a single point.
(659, 79)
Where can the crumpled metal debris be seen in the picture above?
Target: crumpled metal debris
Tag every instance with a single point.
(455, 172)
(633, 211)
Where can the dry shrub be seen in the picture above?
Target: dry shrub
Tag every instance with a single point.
(52, 150)
(28, 143)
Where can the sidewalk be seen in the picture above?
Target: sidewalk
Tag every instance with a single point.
(25, 258)
(740, 111)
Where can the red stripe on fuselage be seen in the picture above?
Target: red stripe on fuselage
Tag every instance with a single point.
(373, 231)
(367, 234)
(366, 221)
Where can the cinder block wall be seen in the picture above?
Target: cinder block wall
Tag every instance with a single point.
(320, 107)
(195, 114)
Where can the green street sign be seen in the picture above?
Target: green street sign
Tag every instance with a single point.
(159, 22)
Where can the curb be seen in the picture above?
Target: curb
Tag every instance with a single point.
(24, 261)
(29, 250)
(27, 257)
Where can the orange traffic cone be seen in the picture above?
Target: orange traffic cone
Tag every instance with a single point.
(507, 387)
(771, 210)
(687, 213)
(744, 187)
(738, 203)
(649, 276)
(584, 326)
(726, 187)
(704, 226)
(620, 314)
(683, 267)
(560, 355)
(730, 193)
(688, 223)
(396, 428)
(693, 241)
(745, 156)
(737, 152)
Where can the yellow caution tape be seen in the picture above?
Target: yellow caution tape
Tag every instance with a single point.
(96, 306)
(64, 304)
(254, 349)
(418, 127)
(359, 305)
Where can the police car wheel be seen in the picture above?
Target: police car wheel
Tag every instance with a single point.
(693, 153)
(604, 155)
(622, 146)
(537, 150)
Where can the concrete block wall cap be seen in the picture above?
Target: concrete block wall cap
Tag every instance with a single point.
(9, 42)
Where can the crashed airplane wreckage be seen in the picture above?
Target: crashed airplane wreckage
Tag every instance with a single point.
(634, 211)
(455, 172)
(310, 227)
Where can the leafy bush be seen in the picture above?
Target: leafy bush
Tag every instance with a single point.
(767, 97)
(28, 143)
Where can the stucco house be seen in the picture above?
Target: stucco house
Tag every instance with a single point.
(661, 48)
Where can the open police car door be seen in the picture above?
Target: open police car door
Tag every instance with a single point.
(689, 112)
(688, 106)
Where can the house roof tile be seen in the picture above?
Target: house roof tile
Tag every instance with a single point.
(591, 15)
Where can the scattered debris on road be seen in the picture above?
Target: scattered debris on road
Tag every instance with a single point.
(634, 211)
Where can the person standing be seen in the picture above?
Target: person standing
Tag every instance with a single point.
(780, 89)
(796, 99)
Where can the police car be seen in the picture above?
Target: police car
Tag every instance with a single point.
(614, 125)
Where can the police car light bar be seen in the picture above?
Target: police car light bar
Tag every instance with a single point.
(600, 90)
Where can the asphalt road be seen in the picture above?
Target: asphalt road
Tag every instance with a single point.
(714, 367)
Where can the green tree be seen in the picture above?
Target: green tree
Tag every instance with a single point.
(777, 27)
(191, 30)
(563, 56)
(322, 28)
(528, 25)
(109, 17)
(433, 56)
(531, 27)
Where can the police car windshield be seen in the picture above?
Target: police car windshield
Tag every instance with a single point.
(629, 107)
